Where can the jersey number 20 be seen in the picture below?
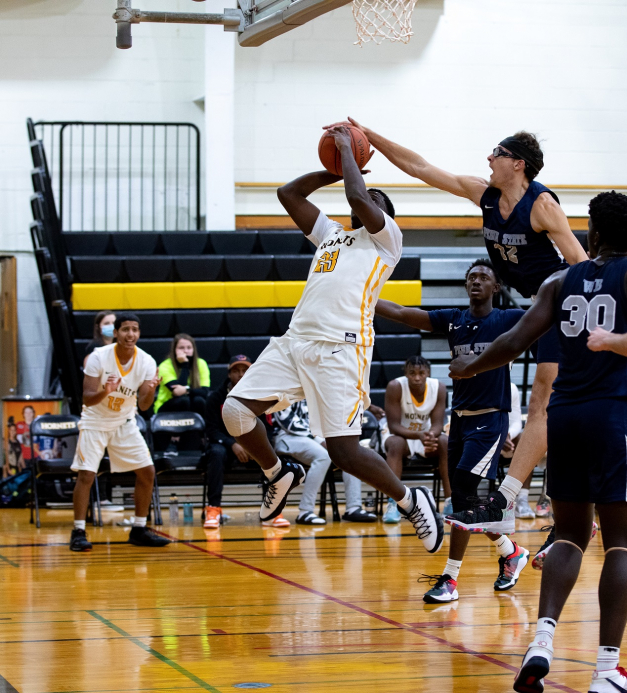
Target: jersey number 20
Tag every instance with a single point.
(598, 312)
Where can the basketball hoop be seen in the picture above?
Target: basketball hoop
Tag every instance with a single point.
(381, 20)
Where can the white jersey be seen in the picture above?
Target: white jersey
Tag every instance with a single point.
(345, 279)
(118, 406)
(416, 416)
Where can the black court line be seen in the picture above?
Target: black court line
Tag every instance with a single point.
(6, 687)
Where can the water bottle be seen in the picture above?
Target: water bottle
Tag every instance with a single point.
(188, 512)
(174, 509)
(370, 505)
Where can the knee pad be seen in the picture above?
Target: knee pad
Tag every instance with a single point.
(464, 485)
(237, 417)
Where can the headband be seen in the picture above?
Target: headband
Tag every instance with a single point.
(534, 160)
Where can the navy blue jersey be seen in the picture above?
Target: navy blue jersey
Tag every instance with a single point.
(522, 257)
(466, 334)
(591, 296)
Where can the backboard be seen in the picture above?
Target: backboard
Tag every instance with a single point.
(265, 19)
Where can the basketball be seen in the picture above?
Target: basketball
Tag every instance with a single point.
(330, 156)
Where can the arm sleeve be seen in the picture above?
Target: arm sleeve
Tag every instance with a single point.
(515, 415)
(322, 229)
(441, 319)
(183, 378)
(93, 367)
(389, 242)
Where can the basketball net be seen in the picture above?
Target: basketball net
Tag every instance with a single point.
(381, 20)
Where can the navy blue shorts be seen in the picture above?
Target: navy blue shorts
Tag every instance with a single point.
(587, 451)
(547, 348)
(475, 442)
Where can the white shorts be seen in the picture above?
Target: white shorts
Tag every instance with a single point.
(125, 445)
(416, 446)
(333, 378)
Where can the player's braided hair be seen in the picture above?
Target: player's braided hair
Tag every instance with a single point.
(391, 212)
(608, 213)
(483, 262)
(418, 362)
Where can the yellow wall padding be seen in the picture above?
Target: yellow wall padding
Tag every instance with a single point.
(188, 295)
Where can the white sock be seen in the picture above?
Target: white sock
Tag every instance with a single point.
(407, 502)
(524, 494)
(447, 500)
(510, 488)
(545, 630)
(139, 521)
(79, 524)
(452, 568)
(273, 471)
(607, 658)
(504, 546)
(353, 508)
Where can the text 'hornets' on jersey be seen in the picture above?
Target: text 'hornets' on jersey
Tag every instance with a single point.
(523, 257)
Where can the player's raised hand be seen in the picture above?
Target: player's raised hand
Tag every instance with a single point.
(341, 135)
(152, 384)
(112, 383)
(334, 125)
(459, 367)
(599, 340)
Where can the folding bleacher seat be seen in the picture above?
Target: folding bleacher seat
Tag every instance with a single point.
(148, 269)
(375, 372)
(207, 268)
(135, 242)
(199, 323)
(89, 270)
(184, 242)
(396, 347)
(233, 242)
(84, 324)
(156, 323)
(408, 268)
(250, 322)
(254, 268)
(283, 317)
(281, 242)
(393, 370)
(95, 243)
(377, 397)
(383, 326)
(218, 373)
(44, 261)
(211, 349)
(37, 234)
(157, 348)
(290, 268)
(251, 346)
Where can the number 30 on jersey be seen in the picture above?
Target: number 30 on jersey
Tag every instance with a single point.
(600, 311)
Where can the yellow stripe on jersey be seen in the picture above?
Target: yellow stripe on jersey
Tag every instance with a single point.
(361, 369)
(424, 397)
(372, 290)
(120, 368)
(362, 311)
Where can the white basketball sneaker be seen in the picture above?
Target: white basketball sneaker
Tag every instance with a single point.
(535, 666)
(609, 681)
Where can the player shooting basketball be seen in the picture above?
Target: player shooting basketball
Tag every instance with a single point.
(326, 353)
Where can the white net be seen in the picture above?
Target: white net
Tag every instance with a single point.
(381, 20)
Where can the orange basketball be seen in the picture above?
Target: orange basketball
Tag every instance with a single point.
(330, 155)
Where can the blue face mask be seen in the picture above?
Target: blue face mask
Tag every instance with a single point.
(107, 330)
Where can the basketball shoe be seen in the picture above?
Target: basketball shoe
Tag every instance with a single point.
(444, 589)
(493, 515)
(213, 517)
(510, 568)
(275, 491)
(278, 521)
(78, 541)
(539, 558)
(391, 516)
(426, 519)
(543, 506)
(535, 666)
(609, 681)
(142, 536)
(522, 509)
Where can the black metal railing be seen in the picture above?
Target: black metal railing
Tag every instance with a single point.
(124, 176)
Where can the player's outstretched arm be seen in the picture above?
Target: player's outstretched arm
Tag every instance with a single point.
(547, 215)
(438, 413)
(533, 324)
(414, 317)
(293, 196)
(94, 392)
(470, 187)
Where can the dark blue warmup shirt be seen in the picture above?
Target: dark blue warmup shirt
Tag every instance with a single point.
(591, 296)
(467, 334)
(522, 257)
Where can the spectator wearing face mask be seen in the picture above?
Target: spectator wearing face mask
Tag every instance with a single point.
(103, 332)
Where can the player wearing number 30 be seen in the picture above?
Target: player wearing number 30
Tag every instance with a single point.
(587, 434)
(118, 377)
(325, 355)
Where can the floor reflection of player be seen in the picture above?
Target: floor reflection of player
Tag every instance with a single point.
(23, 430)
(13, 460)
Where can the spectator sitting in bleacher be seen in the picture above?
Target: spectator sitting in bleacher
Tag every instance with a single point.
(223, 448)
(103, 332)
(414, 406)
(294, 438)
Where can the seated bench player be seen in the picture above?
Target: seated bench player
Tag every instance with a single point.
(414, 409)
(118, 378)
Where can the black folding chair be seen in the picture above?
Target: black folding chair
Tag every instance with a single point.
(55, 426)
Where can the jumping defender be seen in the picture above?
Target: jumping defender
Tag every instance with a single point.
(587, 429)
(326, 353)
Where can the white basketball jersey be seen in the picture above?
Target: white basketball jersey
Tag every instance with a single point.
(345, 279)
(416, 416)
(118, 406)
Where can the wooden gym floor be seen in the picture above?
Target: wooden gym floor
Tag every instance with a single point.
(301, 610)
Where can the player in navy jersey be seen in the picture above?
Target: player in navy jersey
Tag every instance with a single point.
(479, 422)
(587, 434)
(524, 227)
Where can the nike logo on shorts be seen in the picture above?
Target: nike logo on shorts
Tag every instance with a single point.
(337, 352)
(480, 427)
(488, 207)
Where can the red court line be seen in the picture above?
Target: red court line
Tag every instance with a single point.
(365, 612)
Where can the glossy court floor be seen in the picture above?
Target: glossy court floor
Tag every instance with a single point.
(300, 611)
